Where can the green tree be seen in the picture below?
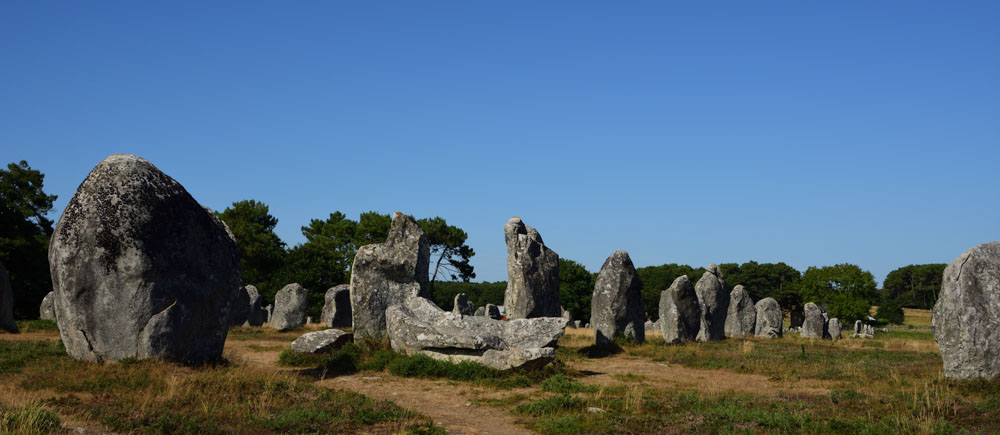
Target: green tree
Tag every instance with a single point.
(262, 252)
(845, 289)
(914, 286)
(24, 236)
(762, 280)
(479, 293)
(576, 288)
(449, 254)
(889, 311)
(656, 279)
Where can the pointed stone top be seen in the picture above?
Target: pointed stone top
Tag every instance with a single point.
(714, 269)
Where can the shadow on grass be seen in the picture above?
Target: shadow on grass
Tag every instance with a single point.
(600, 350)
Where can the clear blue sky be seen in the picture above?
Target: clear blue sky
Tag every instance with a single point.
(812, 133)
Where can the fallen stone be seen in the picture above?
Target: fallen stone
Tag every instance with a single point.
(714, 303)
(337, 307)
(388, 273)
(47, 310)
(532, 273)
(741, 319)
(769, 319)
(291, 304)
(324, 341)
(140, 269)
(680, 313)
(966, 317)
(463, 306)
(616, 309)
(6, 303)
(814, 325)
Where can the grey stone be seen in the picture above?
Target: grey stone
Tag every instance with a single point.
(616, 309)
(140, 269)
(814, 325)
(388, 273)
(568, 317)
(239, 308)
(324, 341)
(713, 300)
(857, 327)
(493, 312)
(680, 313)
(769, 319)
(47, 310)
(6, 303)
(532, 273)
(269, 311)
(463, 306)
(834, 326)
(417, 326)
(741, 319)
(309, 320)
(966, 317)
(481, 312)
(258, 314)
(291, 304)
(577, 324)
(648, 326)
(337, 307)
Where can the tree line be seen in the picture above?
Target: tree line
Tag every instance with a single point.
(325, 258)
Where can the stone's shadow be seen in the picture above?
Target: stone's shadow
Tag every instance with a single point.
(590, 373)
(600, 350)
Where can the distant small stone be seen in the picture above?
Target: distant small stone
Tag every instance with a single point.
(463, 306)
(47, 310)
(337, 307)
(834, 327)
(493, 312)
(481, 312)
(6, 303)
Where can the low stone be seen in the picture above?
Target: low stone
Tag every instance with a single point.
(769, 319)
(258, 314)
(814, 325)
(577, 324)
(568, 317)
(616, 308)
(741, 319)
(47, 310)
(337, 307)
(714, 303)
(493, 312)
(309, 320)
(834, 326)
(680, 313)
(290, 307)
(324, 341)
(463, 306)
(269, 311)
(480, 312)
(6, 303)
(857, 327)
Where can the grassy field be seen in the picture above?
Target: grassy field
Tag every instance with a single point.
(890, 384)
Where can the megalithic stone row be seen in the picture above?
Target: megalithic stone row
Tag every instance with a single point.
(769, 319)
(814, 324)
(741, 318)
(616, 308)
(388, 273)
(337, 307)
(140, 269)
(966, 316)
(6, 303)
(713, 299)
(680, 313)
(532, 273)
(291, 306)
(834, 328)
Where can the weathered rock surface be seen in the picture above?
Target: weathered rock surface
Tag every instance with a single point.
(532, 273)
(814, 324)
(324, 341)
(6, 303)
(291, 304)
(140, 269)
(493, 312)
(741, 319)
(769, 318)
(616, 309)
(337, 307)
(388, 273)
(966, 317)
(833, 327)
(419, 326)
(713, 300)
(47, 310)
(463, 306)
(680, 313)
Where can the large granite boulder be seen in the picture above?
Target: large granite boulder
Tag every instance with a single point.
(463, 306)
(291, 306)
(324, 341)
(47, 309)
(388, 273)
(741, 319)
(532, 273)
(814, 324)
(6, 303)
(337, 307)
(966, 317)
(616, 309)
(680, 313)
(417, 326)
(140, 269)
(769, 319)
(713, 299)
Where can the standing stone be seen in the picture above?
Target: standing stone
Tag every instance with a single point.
(493, 312)
(567, 317)
(337, 307)
(291, 304)
(239, 309)
(480, 312)
(269, 311)
(463, 306)
(532, 274)
(769, 318)
(140, 269)
(47, 310)
(6, 303)
(680, 314)
(616, 308)
(714, 303)
(834, 327)
(796, 317)
(741, 319)
(814, 325)
(387, 273)
(257, 315)
(857, 327)
(648, 326)
(577, 324)
(966, 317)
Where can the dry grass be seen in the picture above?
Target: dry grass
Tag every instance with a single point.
(915, 317)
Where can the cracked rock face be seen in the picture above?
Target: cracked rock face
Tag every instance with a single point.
(714, 303)
(324, 341)
(742, 315)
(417, 326)
(140, 269)
(47, 310)
(337, 307)
(769, 319)
(291, 305)
(388, 273)
(966, 317)
(815, 322)
(616, 309)
(532, 274)
(680, 314)
(6, 303)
